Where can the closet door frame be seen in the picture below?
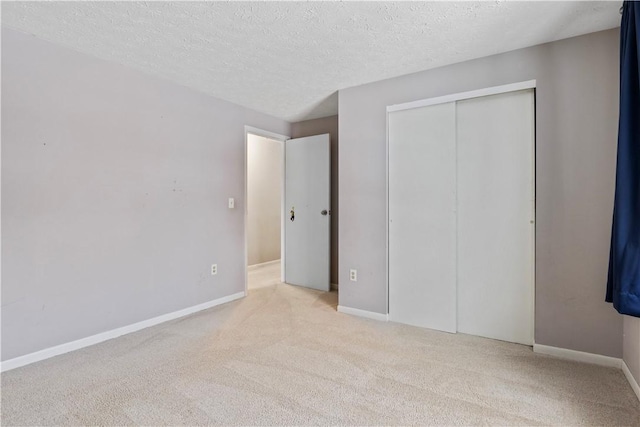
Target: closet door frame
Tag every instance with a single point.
(494, 90)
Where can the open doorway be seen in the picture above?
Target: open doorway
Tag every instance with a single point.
(264, 192)
(281, 171)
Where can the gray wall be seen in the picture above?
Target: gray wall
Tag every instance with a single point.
(264, 199)
(631, 345)
(577, 110)
(114, 195)
(317, 127)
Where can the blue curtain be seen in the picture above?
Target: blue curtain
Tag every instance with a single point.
(623, 284)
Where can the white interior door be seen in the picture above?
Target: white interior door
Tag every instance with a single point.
(307, 209)
(422, 220)
(495, 137)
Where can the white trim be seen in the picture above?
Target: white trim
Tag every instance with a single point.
(534, 217)
(596, 359)
(265, 133)
(386, 213)
(283, 139)
(114, 333)
(578, 356)
(512, 87)
(632, 381)
(283, 212)
(262, 264)
(363, 313)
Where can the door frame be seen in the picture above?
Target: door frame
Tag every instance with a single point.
(282, 139)
(493, 90)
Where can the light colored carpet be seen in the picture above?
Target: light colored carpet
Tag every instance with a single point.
(264, 275)
(283, 355)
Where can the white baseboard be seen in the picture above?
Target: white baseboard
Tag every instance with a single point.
(578, 356)
(632, 381)
(596, 359)
(262, 264)
(363, 313)
(114, 333)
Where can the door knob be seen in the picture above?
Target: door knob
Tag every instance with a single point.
(324, 212)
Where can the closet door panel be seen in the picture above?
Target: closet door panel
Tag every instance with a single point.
(495, 137)
(422, 222)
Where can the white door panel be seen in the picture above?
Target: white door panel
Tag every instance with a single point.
(307, 193)
(495, 211)
(422, 222)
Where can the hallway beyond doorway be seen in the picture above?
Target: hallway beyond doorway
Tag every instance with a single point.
(264, 275)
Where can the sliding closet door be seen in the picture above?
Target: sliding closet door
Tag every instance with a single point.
(495, 136)
(422, 232)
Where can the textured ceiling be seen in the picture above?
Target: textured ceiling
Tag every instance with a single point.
(288, 59)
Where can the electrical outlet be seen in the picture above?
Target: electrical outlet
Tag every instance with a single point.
(353, 275)
(214, 269)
